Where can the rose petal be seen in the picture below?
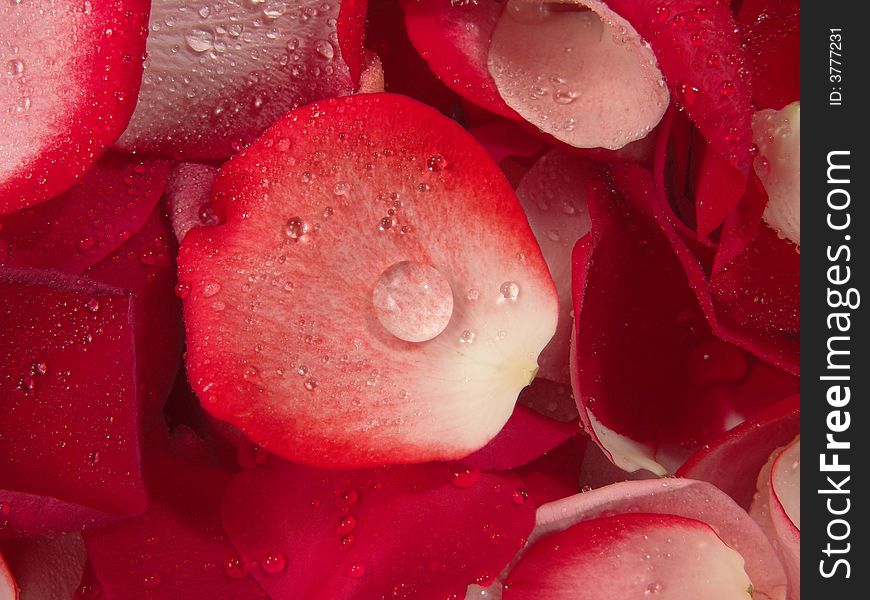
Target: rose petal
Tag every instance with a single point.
(87, 223)
(526, 436)
(590, 81)
(770, 514)
(69, 86)
(771, 31)
(177, 549)
(405, 71)
(553, 196)
(556, 474)
(145, 266)
(701, 56)
(778, 136)
(627, 351)
(630, 556)
(8, 589)
(681, 497)
(188, 197)
(733, 461)
(47, 568)
(71, 411)
(454, 38)
(216, 79)
(394, 532)
(351, 33)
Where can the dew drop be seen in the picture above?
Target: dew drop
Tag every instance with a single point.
(413, 301)
(182, 290)
(199, 40)
(325, 49)
(92, 305)
(466, 477)
(519, 496)
(467, 336)
(311, 384)
(356, 571)
(273, 563)
(346, 542)
(436, 163)
(296, 228)
(509, 291)
(151, 581)
(346, 525)
(211, 289)
(235, 567)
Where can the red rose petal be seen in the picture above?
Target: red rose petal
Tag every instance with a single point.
(771, 31)
(385, 385)
(589, 80)
(556, 474)
(454, 39)
(46, 568)
(526, 436)
(73, 73)
(630, 556)
(145, 266)
(662, 347)
(681, 497)
(71, 410)
(351, 33)
(701, 56)
(394, 532)
(405, 72)
(216, 79)
(87, 223)
(178, 548)
(733, 461)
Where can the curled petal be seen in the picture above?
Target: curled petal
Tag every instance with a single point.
(47, 568)
(590, 81)
(695, 500)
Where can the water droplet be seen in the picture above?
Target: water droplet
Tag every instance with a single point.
(325, 49)
(235, 567)
(311, 384)
(182, 290)
(467, 336)
(465, 477)
(151, 581)
(356, 571)
(211, 289)
(92, 305)
(509, 290)
(652, 589)
(204, 11)
(436, 163)
(275, 9)
(346, 542)
(199, 40)
(413, 301)
(346, 525)
(87, 592)
(296, 228)
(519, 496)
(473, 295)
(94, 457)
(563, 95)
(273, 563)
(15, 67)
(726, 88)
(350, 497)
(341, 188)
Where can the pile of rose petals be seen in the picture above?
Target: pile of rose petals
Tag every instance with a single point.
(399, 299)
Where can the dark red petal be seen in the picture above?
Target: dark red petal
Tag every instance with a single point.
(526, 436)
(351, 35)
(395, 532)
(46, 568)
(178, 548)
(701, 56)
(405, 72)
(556, 474)
(188, 197)
(74, 72)
(145, 266)
(71, 411)
(771, 31)
(87, 223)
(454, 39)
(661, 347)
(733, 461)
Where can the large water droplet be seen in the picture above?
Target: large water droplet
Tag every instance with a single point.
(413, 301)
(199, 40)
(273, 563)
